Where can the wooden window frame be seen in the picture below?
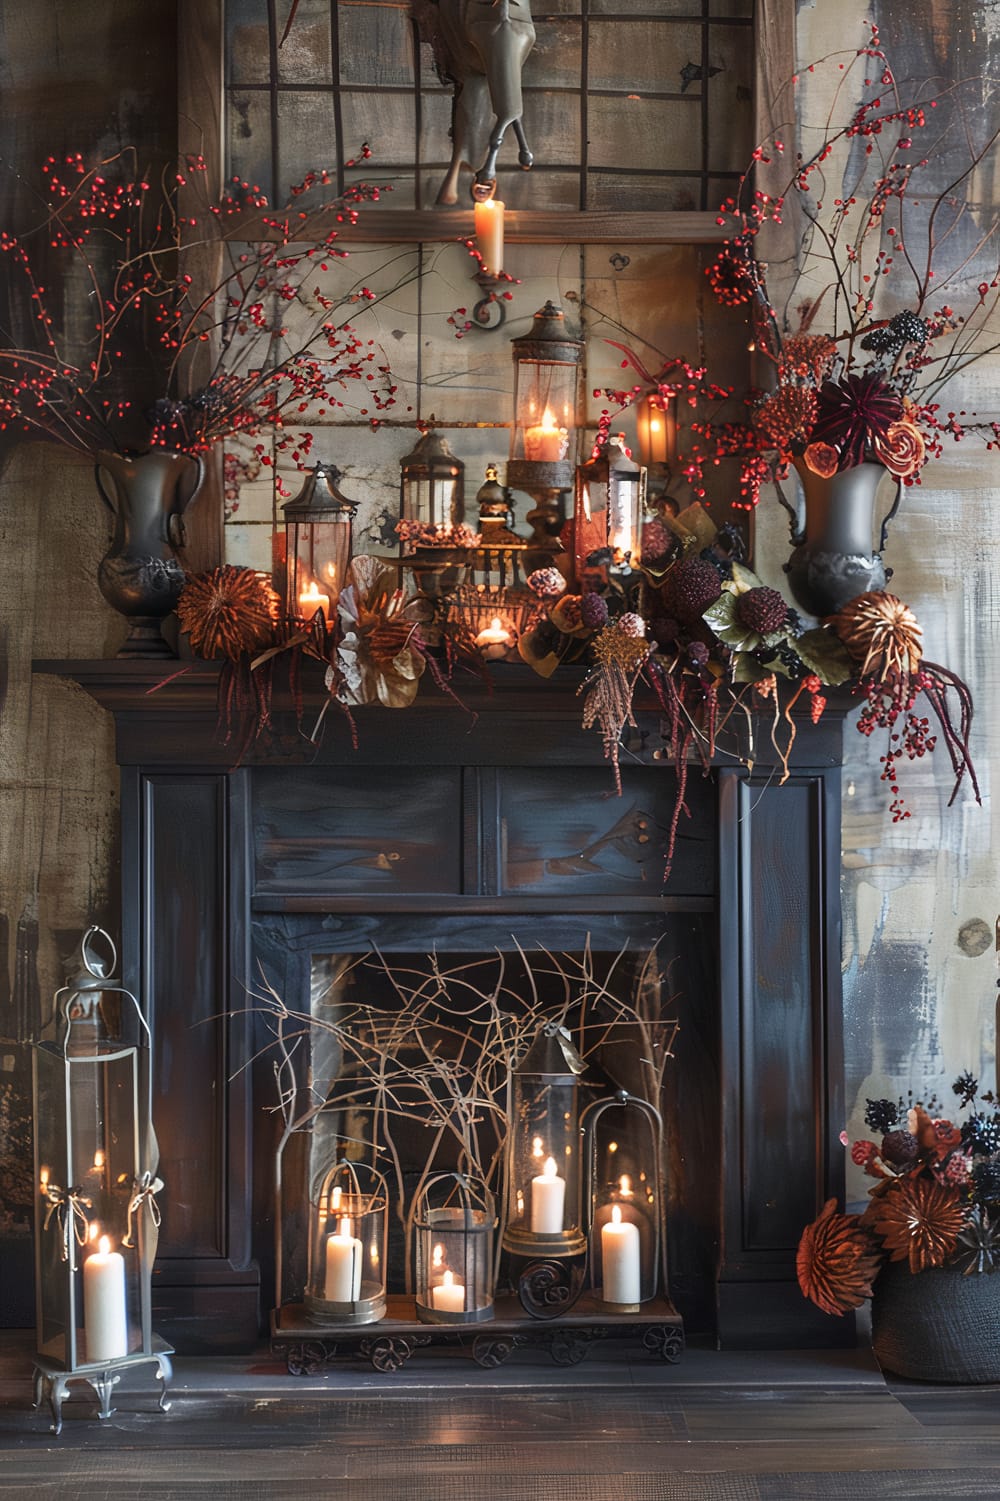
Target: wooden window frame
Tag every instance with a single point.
(201, 104)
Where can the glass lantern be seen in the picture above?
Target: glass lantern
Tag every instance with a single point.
(453, 1227)
(656, 430)
(318, 524)
(624, 1185)
(432, 483)
(96, 1217)
(543, 1150)
(609, 507)
(347, 1246)
(546, 381)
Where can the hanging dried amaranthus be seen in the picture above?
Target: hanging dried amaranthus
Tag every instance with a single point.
(620, 653)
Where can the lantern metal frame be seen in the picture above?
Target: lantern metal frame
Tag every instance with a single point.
(546, 348)
(553, 1062)
(432, 482)
(318, 523)
(367, 1208)
(470, 1223)
(654, 1263)
(623, 483)
(101, 1085)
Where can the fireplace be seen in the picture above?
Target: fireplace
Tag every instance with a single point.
(473, 839)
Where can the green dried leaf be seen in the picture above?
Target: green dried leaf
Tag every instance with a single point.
(823, 653)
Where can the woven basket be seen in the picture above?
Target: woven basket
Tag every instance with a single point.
(938, 1325)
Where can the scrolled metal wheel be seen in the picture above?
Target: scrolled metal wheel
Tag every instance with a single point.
(569, 1347)
(492, 1350)
(307, 1358)
(666, 1341)
(548, 1288)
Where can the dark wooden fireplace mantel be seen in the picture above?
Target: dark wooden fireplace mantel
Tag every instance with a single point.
(461, 818)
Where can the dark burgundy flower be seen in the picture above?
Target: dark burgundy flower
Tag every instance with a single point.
(853, 412)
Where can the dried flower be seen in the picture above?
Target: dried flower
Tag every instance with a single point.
(854, 412)
(918, 1220)
(902, 450)
(822, 458)
(977, 1248)
(228, 612)
(880, 1115)
(882, 633)
(785, 420)
(837, 1261)
(593, 611)
(547, 583)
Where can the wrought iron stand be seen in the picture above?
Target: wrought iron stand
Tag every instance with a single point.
(53, 1381)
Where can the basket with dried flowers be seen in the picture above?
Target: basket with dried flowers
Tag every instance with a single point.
(926, 1245)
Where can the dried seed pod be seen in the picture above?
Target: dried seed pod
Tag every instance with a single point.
(881, 633)
(228, 611)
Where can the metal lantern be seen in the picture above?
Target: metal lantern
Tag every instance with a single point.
(543, 1150)
(453, 1227)
(318, 524)
(546, 380)
(347, 1246)
(624, 1189)
(656, 430)
(96, 1218)
(432, 483)
(609, 507)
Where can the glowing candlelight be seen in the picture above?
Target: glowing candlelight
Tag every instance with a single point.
(620, 1258)
(312, 599)
(489, 234)
(343, 1266)
(548, 1198)
(545, 443)
(449, 1295)
(104, 1315)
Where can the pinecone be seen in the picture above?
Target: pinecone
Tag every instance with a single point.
(690, 588)
(761, 609)
(900, 1148)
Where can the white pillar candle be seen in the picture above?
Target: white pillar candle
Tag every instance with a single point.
(343, 1266)
(546, 443)
(548, 1199)
(489, 233)
(620, 1259)
(449, 1295)
(104, 1318)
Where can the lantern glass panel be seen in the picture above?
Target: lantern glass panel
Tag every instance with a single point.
(625, 506)
(318, 555)
(432, 484)
(626, 1226)
(347, 1246)
(656, 430)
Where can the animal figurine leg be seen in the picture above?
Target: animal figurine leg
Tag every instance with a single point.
(470, 124)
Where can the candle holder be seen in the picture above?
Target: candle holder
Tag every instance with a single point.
(317, 546)
(96, 1216)
(454, 1223)
(543, 1150)
(347, 1246)
(625, 1183)
(546, 380)
(432, 483)
(608, 509)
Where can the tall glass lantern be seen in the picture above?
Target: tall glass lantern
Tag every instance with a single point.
(96, 1216)
(432, 483)
(347, 1246)
(625, 1191)
(318, 526)
(543, 1150)
(656, 431)
(546, 382)
(610, 504)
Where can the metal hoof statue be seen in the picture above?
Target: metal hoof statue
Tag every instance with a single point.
(480, 46)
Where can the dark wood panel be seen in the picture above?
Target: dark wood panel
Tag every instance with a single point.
(568, 834)
(344, 832)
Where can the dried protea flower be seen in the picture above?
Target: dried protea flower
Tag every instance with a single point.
(882, 633)
(918, 1220)
(689, 588)
(631, 625)
(761, 609)
(837, 1261)
(228, 611)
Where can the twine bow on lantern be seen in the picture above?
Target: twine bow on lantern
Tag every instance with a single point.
(572, 1058)
(75, 1222)
(144, 1191)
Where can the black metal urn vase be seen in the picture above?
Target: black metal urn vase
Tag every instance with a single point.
(140, 575)
(836, 557)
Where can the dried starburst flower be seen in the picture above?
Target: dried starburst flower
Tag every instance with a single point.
(853, 412)
(918, 1220)
(228, 612)
(977, 1248)
(837, 1261)
(882, 633)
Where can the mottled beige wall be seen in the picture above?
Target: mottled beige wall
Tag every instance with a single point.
(919, 1006)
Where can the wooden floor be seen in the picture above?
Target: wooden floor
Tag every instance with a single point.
(716, 1427)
